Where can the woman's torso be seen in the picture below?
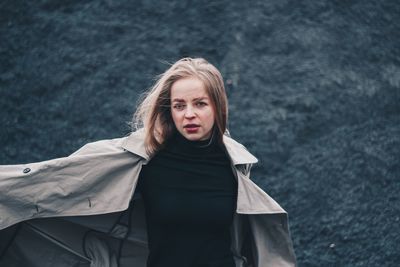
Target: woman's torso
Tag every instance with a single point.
(190, 196)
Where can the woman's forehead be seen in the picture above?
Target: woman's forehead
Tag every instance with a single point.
(188, 89)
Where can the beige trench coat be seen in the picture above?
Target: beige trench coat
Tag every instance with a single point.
(100, 178)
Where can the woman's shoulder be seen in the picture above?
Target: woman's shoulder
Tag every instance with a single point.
(134, 143)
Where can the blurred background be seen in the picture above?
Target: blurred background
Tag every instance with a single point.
(314, 91)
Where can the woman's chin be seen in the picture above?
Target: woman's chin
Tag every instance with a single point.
(192, 136)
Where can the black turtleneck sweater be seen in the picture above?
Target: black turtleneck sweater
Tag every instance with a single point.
(190, 193)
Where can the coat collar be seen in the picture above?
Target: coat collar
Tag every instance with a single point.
(237, 152)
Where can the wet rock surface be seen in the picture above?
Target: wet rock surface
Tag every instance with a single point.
(314, 91)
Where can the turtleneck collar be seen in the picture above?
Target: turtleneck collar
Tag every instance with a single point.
(134, 143)
(178, 141)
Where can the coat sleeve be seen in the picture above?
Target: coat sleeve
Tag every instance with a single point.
(98, 178)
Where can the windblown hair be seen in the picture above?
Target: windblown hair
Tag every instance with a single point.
(154, 112)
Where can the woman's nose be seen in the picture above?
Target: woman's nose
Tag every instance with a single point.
(189, 112)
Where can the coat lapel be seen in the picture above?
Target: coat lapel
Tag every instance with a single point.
(134, 143)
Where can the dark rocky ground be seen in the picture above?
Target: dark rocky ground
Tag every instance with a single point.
(314, 90)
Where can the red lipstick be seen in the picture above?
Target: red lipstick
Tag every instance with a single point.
(191, 128)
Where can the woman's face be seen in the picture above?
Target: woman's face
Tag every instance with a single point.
(191, 109)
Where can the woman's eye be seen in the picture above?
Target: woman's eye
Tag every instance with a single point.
(179, 106)
(201, 104)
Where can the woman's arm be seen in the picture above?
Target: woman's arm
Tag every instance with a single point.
(98, 178)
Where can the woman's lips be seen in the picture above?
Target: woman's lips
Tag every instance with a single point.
(191, 128)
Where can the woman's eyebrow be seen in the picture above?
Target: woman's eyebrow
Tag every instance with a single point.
(200, 98)
(178, 100)
(194, 99)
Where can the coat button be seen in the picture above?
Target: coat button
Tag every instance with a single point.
(26, 170)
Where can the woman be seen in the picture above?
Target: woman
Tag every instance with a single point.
(193, 203)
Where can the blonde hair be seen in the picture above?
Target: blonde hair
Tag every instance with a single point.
(154, 115)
